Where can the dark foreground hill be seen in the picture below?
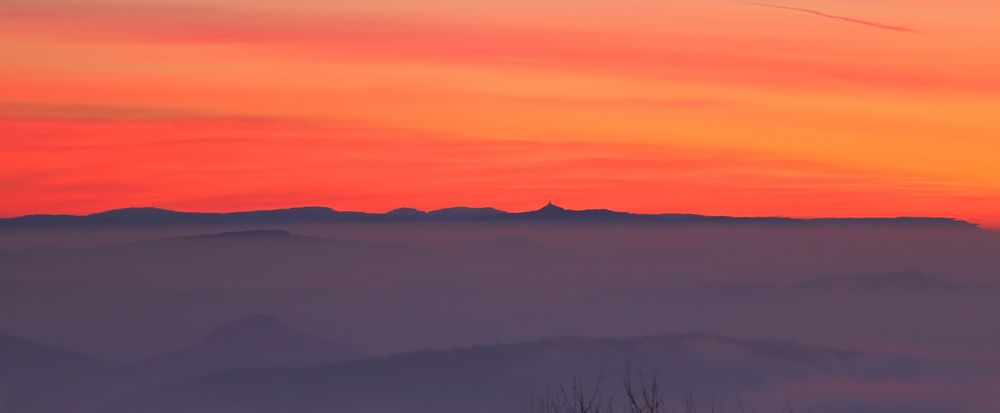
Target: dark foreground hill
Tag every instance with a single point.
(37, 378)
(486, 379)
(491, 379)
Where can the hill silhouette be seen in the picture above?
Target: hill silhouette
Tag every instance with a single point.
(147, 216)
(489, 378)
(252, 341)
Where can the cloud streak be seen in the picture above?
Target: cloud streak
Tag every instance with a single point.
(843, 18)
(388, 38)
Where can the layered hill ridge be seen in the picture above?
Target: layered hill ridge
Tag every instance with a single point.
(454, 379)
(550, 212)
(486, 378)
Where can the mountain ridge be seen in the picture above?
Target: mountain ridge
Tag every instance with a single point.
(151, 216)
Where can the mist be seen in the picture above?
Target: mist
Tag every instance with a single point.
(504, 308)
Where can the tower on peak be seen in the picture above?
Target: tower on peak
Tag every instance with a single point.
(550, 207)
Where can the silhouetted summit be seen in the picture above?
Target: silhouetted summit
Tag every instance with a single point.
(136, 213)
(405, 213)
(466, 213)
(551, 208)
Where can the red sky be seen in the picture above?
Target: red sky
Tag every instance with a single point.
(797, 108)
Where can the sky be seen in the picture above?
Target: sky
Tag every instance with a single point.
(781, 107)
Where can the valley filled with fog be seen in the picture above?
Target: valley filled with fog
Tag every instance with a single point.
(476, 316)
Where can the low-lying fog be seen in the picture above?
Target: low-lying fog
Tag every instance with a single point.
(868, 319)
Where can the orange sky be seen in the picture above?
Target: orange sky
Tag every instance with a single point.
(796, 107)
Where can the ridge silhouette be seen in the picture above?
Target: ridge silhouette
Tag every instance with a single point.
(151, 216)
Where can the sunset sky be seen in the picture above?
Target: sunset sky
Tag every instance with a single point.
(779, 107)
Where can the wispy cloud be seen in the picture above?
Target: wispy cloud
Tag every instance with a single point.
(390, 38)
(843, 18)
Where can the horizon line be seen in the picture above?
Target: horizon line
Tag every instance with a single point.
(547, 205)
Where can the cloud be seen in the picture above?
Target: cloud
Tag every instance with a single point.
(847, 19)
(392, 37)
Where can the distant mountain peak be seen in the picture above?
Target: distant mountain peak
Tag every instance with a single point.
(405, 212)
(551, 208)
(135, 212)
(462, 212)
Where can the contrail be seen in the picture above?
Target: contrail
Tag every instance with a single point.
(830, 16)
